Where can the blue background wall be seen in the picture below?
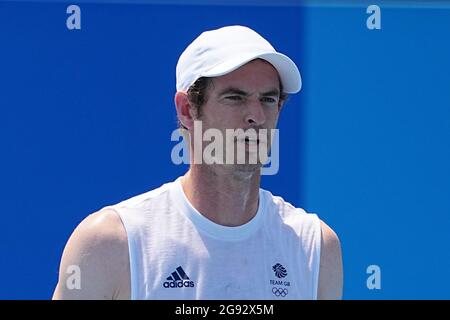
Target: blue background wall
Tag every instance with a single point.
(86, 118)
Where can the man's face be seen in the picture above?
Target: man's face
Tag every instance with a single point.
(247, 98)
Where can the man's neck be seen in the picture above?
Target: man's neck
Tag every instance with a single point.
(226, 199)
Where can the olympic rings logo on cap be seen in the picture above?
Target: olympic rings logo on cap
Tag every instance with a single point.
(280, 291)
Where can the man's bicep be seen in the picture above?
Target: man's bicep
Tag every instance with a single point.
(94, 261)
(331, 273)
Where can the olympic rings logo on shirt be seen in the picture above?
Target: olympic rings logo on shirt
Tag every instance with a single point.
(280, 291)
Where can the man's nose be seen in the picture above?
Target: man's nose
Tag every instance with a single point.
(255, 114)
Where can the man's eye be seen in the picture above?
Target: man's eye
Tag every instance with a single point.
(234, 98)
(269, 100)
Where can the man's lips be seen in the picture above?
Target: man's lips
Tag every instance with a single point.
(248, 140)
(251, 140)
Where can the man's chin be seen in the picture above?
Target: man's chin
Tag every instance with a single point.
(245, 167)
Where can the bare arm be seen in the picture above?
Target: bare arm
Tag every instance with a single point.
(331, 274)
(98, 249)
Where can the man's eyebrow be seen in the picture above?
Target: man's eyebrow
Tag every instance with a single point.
(273, 92)
(232, 90)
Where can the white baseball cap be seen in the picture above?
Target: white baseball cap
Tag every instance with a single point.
(218, 52)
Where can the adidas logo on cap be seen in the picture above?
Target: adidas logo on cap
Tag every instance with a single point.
(178, 279)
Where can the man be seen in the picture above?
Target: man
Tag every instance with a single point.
(212, 233)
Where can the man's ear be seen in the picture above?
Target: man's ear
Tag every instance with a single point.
(184, 111)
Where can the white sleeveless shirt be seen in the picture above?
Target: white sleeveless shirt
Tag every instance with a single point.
(177, 253)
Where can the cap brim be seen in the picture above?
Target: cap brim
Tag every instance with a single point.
(287, 69)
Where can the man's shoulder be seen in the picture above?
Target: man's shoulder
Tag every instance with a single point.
(329, 236)
(331, 270)
(280, 204)
(104, 225)
(101, 234)
(98, 247)
(140, 200)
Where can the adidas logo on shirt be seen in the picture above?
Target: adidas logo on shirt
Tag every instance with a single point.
(178, 279)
